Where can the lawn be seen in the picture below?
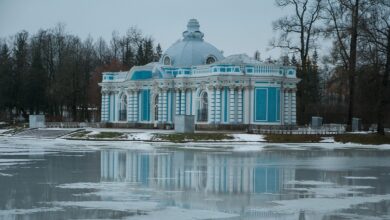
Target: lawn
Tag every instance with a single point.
(183, 137)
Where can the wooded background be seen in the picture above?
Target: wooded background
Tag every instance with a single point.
(56, 73)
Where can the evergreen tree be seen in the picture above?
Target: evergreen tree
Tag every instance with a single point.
(140, 57)
(158, 52)
(257, 56)
(148, 50)
(6, 80)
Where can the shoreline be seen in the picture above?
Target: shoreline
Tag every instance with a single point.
(208, 137)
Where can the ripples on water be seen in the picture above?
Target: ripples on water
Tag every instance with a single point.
(51, 183)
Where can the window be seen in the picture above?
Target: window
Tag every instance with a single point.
(156, 108)
(167, 60)
(210, 60)
(123, 109)
(203, 108)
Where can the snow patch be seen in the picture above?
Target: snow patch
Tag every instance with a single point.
(361, 177)
(248, 137)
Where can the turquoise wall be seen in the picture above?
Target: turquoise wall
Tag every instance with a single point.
(145, 105)
(267, 104)
(141, 75)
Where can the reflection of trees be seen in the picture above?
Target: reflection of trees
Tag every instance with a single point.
(195, 171)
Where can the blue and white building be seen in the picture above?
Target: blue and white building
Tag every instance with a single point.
(194, 78)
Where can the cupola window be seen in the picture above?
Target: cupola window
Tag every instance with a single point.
(167, 60)
(210, 60)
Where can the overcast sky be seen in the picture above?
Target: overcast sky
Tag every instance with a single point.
(234, 26)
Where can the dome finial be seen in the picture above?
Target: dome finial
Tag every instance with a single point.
(193, 31)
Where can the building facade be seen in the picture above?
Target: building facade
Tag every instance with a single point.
(194, 78)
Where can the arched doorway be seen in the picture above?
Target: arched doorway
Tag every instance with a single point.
(123, 108)
(203, 107)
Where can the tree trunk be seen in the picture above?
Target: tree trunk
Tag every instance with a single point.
(352, 63)
(383, 89)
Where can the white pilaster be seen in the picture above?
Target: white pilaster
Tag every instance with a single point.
(218, 105)
(194, 98)
(160, 106)
(251, 103)
(177, 95)
(293, 108)
(135, 105)
(239, 106)
(287, 107)
(104, 107)
(247, 105)
(211, 103)
(164, 105)
(183, 102)
(232, 105)
(129, 107)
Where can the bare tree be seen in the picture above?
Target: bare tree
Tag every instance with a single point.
(343, 18)
(302, 25)
(376, 32)
(298, 34)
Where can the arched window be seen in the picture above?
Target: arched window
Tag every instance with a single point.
(167, 60)
(210, 60)
(203, 108)
(123, 108)
(156, 108)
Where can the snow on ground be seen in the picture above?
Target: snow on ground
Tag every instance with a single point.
(361, 177)
(139, 138)
(4, 130)
(248, 137)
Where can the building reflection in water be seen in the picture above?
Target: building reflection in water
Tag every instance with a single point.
(216, 173)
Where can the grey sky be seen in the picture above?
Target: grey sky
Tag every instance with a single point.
(234, 26)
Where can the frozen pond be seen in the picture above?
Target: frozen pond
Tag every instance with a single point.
(57, 179)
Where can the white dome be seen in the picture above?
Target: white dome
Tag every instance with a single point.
(192, 50)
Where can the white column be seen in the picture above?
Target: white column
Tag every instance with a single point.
(183, 102)
(135, 105)
(281, 104)
(194, 98)
(177, 95)
(293, 107)
(239, 106)
(218, 105)
(287, 107)
(251, 101)
(104, 107)
(129, 108)
(232, 105)
(160, 106)
(247, 105)
(170, 106)
(211, 103)
(164, 105)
